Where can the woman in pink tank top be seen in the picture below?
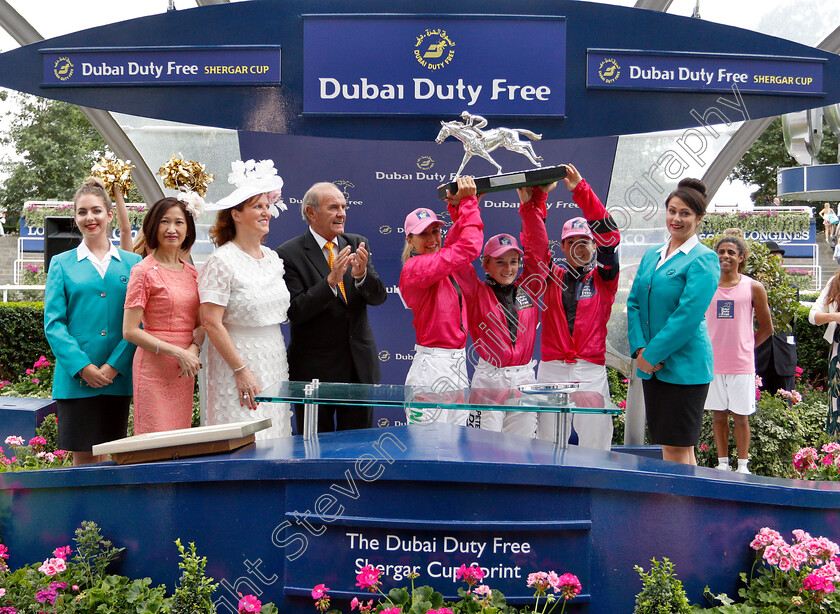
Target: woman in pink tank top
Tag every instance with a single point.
(729, 319)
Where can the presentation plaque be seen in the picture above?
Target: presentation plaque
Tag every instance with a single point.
(510, 181)
(170, 445)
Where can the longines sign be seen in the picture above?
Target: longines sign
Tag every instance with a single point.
(386, 65)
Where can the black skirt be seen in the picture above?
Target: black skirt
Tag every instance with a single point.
(83, 423)
(674, 411)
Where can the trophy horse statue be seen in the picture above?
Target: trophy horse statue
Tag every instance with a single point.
(478, 142)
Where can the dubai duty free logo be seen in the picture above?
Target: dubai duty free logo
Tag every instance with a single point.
(609, 70)
(63, 69)
(433, 49)
(425, 163)
(343, 185)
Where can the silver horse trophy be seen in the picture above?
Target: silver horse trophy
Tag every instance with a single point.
(478, 142)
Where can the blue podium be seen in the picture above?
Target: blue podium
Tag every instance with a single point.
(22, 416)
(277, 517)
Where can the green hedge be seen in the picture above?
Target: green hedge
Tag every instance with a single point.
(23, 340)
(811, 348)
(756, 221)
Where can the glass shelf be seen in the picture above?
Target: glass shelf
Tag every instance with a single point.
(564, 400)
(540, 398)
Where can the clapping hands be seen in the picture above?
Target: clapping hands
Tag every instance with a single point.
(356, 262)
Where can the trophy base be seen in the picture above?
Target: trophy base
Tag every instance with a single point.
(509, 181)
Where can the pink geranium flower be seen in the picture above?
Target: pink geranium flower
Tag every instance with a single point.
(539, 582)
(771, 554)
(249, 604)
(832, 447)
(482, 590)
(319, 591)
(46, 595)
(37, 441)
(471, 575)
(805, 459)
(368, 578)
(14, 440)
(569, 585)
(63, 553)
(815, 582)
(395, 610)
(52, 566)
(766, 537)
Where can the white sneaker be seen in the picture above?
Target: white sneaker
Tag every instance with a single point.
(743, 470)
(722, 467)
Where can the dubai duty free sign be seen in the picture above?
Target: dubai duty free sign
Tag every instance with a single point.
(374, 70)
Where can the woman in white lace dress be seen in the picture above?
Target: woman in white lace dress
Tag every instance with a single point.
(243, 301)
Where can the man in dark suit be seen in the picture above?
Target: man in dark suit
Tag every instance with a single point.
(775, 359)
(332, 281)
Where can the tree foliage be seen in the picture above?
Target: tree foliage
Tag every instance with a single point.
(55, 147)
(767, 155)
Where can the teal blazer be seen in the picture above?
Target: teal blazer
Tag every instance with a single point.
(666, 314)
(83, 319)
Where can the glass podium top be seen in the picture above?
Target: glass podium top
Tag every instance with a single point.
(549, 398)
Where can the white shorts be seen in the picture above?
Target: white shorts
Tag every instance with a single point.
(440, 370)
(733, 392)
(486, 376)
(594, 430)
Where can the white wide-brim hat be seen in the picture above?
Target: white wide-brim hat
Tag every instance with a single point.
(252, 178)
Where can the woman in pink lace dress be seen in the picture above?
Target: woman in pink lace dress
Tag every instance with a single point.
(163, 296)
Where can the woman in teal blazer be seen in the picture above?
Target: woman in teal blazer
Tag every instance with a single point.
(83, 315)
(667, 327)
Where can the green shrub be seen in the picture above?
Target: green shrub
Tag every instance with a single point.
(22, 325)
(662, 592)
(757, 221)
(34, 383)
(195, 589)
(618, 395)
(86, 587)
(811, 349)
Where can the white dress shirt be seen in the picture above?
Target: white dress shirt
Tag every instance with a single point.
(101, 266)
(684, 248)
